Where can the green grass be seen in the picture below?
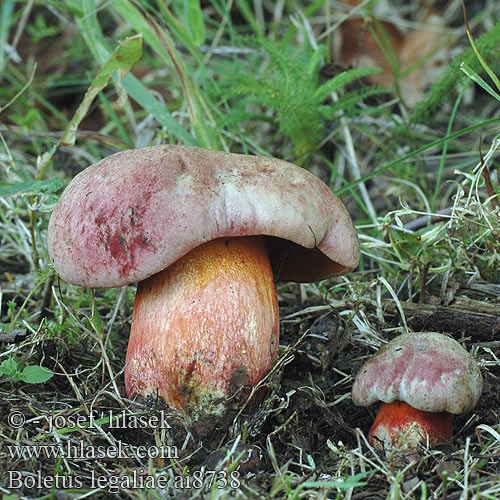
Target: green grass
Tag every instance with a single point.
(83, 79)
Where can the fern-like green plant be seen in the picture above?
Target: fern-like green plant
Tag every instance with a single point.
(445, 89)
(290, 84)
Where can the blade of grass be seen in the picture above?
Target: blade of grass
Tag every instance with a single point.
(21, 91)
(179, 30)
(122, 132)
(195, 20)
(207, 135)
(484, 64)
(91, 31)
(415, 153)
(6, 17)
(249, 16)
(445, 147)
(350, 482)
(137, 91)
(13, 76)
(476, 78)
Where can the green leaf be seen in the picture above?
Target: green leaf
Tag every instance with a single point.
(8, 367)
(199, 111)
(94, 38)
(36, 374)
(406, 242)
(121, 60)
(195, 21)
(31, 187)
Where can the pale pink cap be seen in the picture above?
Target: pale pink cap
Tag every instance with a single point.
(429, 371)
(133, 214)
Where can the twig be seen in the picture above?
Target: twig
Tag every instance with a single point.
(9, 336)
(47, 296)
(472, 317)
(423, 279)
(487, 180)
(425, 220)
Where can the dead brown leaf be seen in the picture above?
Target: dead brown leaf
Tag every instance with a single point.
(410, 62)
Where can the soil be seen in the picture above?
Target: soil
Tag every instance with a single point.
(307, 416)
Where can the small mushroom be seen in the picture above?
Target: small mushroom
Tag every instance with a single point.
(205, 233)
(421, 379)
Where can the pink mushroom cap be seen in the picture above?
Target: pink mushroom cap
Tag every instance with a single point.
(430, 371)
(136, 212)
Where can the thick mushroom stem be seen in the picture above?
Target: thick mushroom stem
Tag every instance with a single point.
(400, 425)
(205, 328)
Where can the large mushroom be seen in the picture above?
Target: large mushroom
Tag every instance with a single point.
(421, 379)
(202, 233)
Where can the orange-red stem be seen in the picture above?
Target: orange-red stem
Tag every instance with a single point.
(203, 326)
(398, 424)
